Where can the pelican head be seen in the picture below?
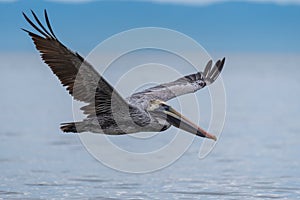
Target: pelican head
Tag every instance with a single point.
(176, 119)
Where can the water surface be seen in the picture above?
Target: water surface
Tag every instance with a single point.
(257, 156)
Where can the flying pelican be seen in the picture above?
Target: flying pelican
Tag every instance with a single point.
(107, 112)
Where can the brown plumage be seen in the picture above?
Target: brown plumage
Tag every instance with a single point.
(107, 112)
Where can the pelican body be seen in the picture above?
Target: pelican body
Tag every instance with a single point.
(107, 111)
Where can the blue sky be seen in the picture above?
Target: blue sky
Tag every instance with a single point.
(219, 27)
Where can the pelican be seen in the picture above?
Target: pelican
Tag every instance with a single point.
(106, 111)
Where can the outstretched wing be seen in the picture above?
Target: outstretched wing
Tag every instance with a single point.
(78, 76)
(187, 84)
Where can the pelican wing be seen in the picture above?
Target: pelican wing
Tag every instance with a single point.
(187, 84)
(77, 75)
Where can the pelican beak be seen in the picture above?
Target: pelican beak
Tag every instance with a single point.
(180, 121)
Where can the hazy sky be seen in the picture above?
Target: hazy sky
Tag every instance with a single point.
(224, 26)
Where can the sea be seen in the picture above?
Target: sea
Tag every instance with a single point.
(256, 156)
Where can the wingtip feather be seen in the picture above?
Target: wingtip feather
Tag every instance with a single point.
(207, 68)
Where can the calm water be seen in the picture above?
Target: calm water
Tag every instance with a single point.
(257, 156)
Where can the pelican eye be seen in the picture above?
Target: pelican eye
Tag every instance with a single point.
(166, 107)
